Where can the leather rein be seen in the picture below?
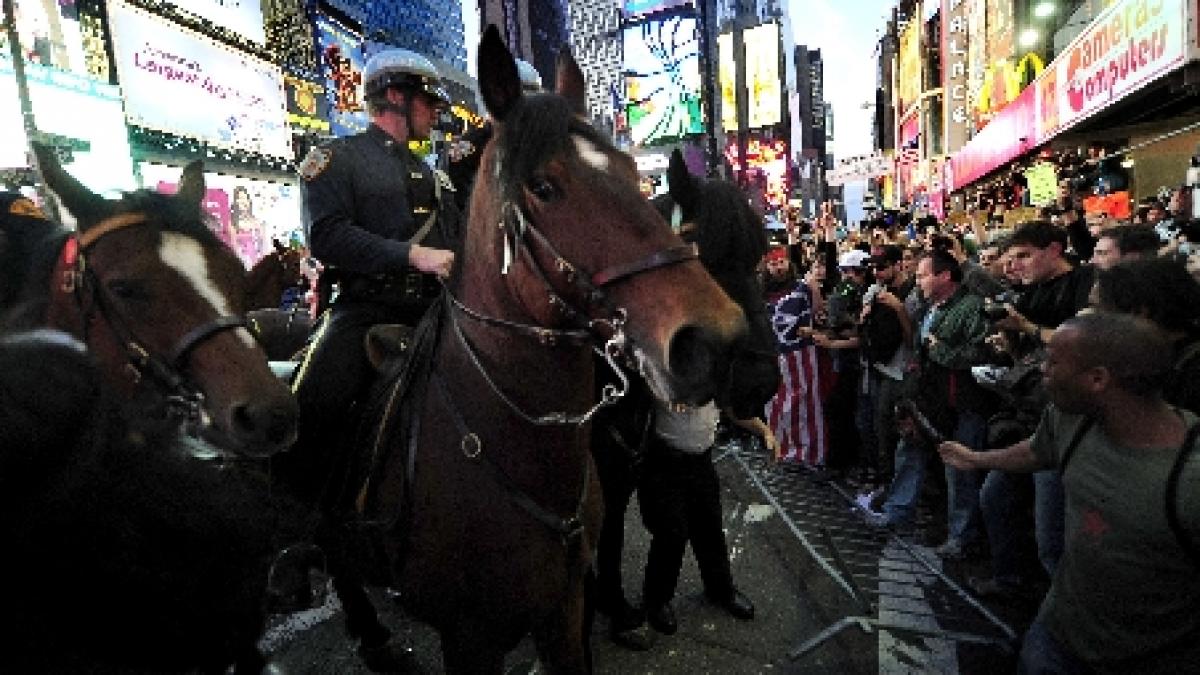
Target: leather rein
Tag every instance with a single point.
(79, 280)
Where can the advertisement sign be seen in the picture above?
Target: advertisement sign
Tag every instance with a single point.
(909, 84)
(1001, 24)
(955, 76)
(766, 166)
(60, 100)
(342, 61)
(1129, 44)
(307, 107)
(244, 17)
(976, 51)
(1003, 81)
(50, 34)
(727, 76)
(662, 80)
(179, 81)
(764, 86)
(245, 213)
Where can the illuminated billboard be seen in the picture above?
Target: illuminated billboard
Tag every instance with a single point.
(342, 61)
(764, 90)
(727, 76)
(60, 100)
(244, 213)
(766, 168)
(662, 80)
(909, 58)
(184, 83)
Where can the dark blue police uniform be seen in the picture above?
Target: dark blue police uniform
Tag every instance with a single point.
(367, 197)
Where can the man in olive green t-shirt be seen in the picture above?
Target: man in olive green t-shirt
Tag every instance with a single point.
(1125, 596)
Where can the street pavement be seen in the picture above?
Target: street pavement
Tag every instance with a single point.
(795, 599)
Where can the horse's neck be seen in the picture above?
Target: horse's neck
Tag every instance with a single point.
(264, 284)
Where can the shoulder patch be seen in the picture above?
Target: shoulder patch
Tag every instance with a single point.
(315, 162)
(23, 207)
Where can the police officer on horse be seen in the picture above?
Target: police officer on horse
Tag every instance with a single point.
(386, 224)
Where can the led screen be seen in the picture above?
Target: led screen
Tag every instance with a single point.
(764, 88)
(662, 80)
(727, 76)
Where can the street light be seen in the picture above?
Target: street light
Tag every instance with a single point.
(1028, 37)
(1043, 9)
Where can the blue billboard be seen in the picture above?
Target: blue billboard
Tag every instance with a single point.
(662, 80)
(340, 53)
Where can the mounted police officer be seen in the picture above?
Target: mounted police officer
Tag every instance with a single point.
(465, 152)
(386, 225)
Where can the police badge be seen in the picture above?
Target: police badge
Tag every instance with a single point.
(316, 161)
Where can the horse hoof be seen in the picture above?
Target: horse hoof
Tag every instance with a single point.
(388, 658)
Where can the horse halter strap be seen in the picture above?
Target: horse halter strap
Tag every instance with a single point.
(81, 281)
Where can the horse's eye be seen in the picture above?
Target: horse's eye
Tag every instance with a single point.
(125, 289)
(543, 189)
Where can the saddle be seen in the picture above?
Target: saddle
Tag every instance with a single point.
(375, 500)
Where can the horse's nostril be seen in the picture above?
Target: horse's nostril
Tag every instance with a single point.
(698, 358)
(272, 423)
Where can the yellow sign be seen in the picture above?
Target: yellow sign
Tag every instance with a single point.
(727, 76)
(1043, 183)
(909, 84)
(764, 89)
(1004, 80)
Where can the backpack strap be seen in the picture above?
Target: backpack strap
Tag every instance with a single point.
(1185, 542)
(1075, 440)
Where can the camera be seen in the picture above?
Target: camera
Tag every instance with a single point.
(994, 307)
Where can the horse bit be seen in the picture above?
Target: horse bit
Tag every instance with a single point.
(183, 400)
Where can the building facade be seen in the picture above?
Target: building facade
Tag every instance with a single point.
(596, 44)
(534, 30)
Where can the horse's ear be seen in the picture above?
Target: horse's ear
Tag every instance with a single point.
(87, 207)
(569, 82)
(498, 79)
(680, 183)
(191, 184)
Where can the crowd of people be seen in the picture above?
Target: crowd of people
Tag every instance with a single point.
(994, 355)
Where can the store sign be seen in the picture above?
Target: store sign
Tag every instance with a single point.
(1128, 45)
(181, 82)
(244, 213)
(764, 86)
(1003, 81)
(244, 17)
(74, 106)
(955, 74)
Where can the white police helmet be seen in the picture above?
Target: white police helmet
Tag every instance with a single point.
(405, 69)
(531, 81)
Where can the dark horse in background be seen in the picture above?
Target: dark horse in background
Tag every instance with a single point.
(282, 332)
(562, 256)
(157, 299)
(731, 237)
(122, 551)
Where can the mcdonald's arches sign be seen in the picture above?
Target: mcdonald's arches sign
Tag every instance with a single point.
(1003, 81)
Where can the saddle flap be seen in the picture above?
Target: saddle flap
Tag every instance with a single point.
(386, 342)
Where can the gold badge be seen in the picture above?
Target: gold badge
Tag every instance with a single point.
(23, 207)
(316, 161)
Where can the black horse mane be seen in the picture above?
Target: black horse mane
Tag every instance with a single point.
(729, 232)
(538, 127)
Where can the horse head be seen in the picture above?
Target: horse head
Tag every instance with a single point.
(277, 271)
(717, 217)
(579, 247)
(159, 301)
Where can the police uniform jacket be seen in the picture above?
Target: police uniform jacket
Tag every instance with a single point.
(367, 195)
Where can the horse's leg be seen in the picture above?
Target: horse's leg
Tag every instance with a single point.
(561, 643)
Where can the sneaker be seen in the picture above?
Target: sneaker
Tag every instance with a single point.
(866, 500)
(951, 549)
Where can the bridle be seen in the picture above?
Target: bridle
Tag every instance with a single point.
(165, 371)
(597, 320)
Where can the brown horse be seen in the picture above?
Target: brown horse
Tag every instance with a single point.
(158, 300)
(562, 256)
(276, 272)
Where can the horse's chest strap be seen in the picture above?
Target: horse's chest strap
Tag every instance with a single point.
(569, 529)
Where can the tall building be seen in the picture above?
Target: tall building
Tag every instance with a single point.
(596, 44)
(535, 30)
(814, 117)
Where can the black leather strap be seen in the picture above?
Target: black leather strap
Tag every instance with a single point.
(670, 256)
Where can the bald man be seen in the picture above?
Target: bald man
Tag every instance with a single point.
(1126, 594)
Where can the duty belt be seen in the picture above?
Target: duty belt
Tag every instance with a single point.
(404, 286)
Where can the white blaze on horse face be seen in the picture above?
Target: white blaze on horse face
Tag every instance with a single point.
(590, 154)
(184, 255)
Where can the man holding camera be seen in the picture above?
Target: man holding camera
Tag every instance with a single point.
(1053, 290)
